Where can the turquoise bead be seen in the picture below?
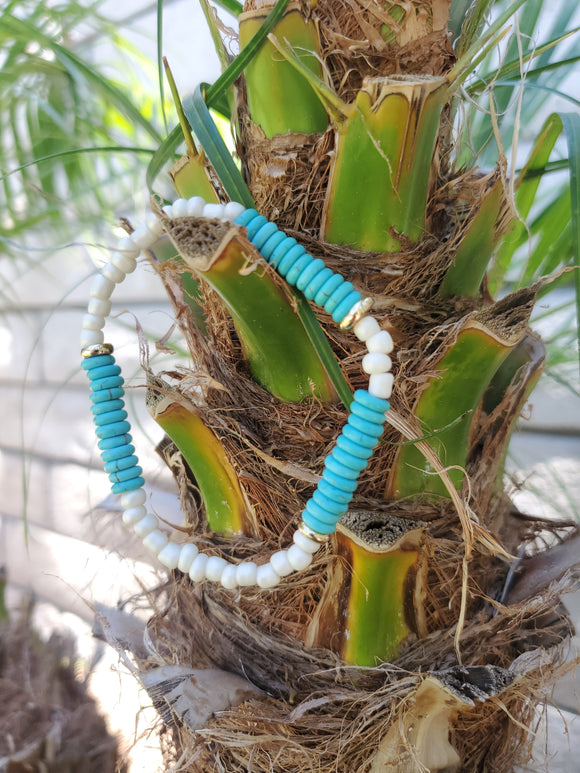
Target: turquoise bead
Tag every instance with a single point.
(324, 501)
(357, 409)
(341, 467)
(111, 430)
(339, 482)
(349, 460)
(105, 395)
(273, 242)
(131, 472)
(363, 397)
(326, 488)
(245, 217)
(367, 427)
(322, 513)
(361, 438)
(296, 269)
(104, 371)
(263, 234)
(111, 382)
(114, 442)
(128, 485)
(121, 464)
(309, 273)
(290, 258)
(281, 250)
(345, 306)
(328, 288)
(317, 525)
(337, 296)
(110, 418)
(353, 449)
(109, 405)
(314, 286)
(89, 363)
(254, 226)
(119, 452)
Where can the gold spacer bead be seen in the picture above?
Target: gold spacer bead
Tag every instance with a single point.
(313, 535)
(95, 349)
(357, 312)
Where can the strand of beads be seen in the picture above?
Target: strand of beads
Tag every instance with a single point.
(354, 445)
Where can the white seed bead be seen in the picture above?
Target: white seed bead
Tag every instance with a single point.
(188, 552)
(380, 342)
(246, 573)
(214, 211)
(195, 206)
(142, 237)
(90, 337)
(229, 577)
(170, 554)
(168, 209)
(267, 577)
(381, 385)
(215, 567)
(376, 362)
(154, 225)
(233, 210)
(124, 263)
(180, 208)
(113, 273)
(93, 322)
(155, 541)
(298, 559)
(197, 568)
(133, 515)
(127, 246)
(146, 525)
(280, 563)
(99, 307)
(101, 287)
(304, 542)
(365, 328)
(133, 498)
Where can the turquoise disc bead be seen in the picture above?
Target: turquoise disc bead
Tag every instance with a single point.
(337, 508)
(111, 382)
(128, 485)
(348, 460)
(245, 217)
(112, 417)
(338, 482)
(357, 409)
(361, 438)
(122, 475)
(363, 397)
(290, 258)
(367, 427)
(263, 234)
(254, 226)
(111, 430)
(345, 306)
(121, 464)
(328, 288)
(314, 286)
(90, 363)
(357, 453)
(326, 488)
(308, 274)
(322, 513)
(107, 394)
(335, 465)
(114, 442)
(337, 296)
(273, 242)
(119, 452)
(297, 268)
(281, 250)
(104, 371)
(317, 525)
(106, 407)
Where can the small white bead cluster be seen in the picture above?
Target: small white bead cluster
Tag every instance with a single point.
(377, 362)
(186, 557)
(199, 566)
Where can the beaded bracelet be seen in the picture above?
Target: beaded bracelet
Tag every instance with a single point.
(342, 467)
